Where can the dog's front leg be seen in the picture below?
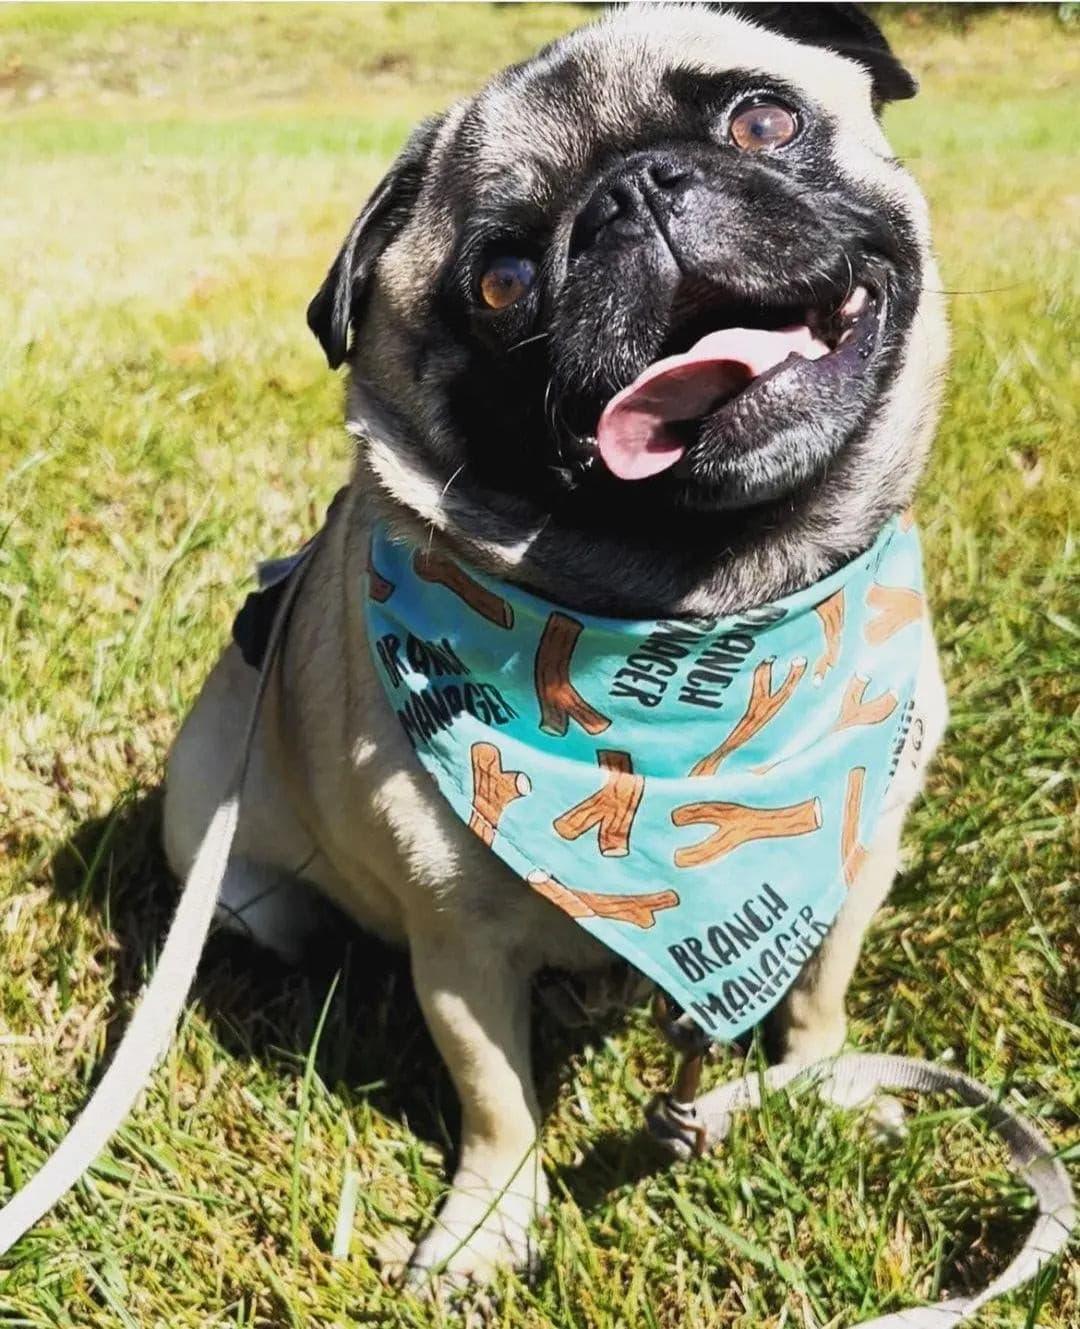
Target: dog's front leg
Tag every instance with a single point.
(477, 1007)
(811, 1023)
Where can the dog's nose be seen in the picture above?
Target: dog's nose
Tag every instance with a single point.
(632, 199)
(666, 172)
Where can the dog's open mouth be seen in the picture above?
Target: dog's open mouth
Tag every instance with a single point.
(647, 427)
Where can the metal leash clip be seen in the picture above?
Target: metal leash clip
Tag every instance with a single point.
(672, 1117)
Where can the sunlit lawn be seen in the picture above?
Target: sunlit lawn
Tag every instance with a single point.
(174, 183)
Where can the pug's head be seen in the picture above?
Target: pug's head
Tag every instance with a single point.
(650, 323)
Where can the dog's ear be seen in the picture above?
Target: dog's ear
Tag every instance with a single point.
(338, 300)
(844, 29)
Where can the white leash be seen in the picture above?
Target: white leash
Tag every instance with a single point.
(145, 1040)
(151, 1029)
(150, 1032)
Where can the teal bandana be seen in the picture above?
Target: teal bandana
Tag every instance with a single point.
(698, 794)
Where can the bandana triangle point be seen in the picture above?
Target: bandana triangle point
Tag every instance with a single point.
(699, 794)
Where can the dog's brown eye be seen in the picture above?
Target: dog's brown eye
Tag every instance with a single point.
(506, 280)
(766, 125)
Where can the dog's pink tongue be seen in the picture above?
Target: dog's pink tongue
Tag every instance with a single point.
(634, 436)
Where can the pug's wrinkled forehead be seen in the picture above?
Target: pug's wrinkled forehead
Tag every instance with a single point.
(635, 73)
(643, 74)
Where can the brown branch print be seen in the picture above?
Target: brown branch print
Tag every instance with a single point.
(763, 705)
(493, 790)
(640, 910)
(443, 571)
(736, 824)
(855, 711)
(831, 613)
(611, 809)
(895, 606)
(379, 588)
(852, 852)
(560, 702)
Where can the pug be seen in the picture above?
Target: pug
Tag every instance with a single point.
(530, 306)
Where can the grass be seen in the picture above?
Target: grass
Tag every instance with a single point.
(175, 182)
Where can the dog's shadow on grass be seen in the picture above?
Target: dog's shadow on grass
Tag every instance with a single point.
(374, 1043)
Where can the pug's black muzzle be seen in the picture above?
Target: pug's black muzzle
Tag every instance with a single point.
(678, 241)
(636, 201)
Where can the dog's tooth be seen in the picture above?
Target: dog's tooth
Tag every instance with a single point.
(855, 303)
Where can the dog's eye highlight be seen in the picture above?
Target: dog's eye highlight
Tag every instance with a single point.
(506, 280)
(763, 125)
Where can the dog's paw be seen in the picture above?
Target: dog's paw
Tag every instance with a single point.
(271, 908)
(884, 1117)
(393, 1249)
(887, 1119)
(479, 1231)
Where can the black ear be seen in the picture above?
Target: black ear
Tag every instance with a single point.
(845, 29)
(337, 301)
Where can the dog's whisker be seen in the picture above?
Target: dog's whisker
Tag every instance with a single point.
(528, 341)
(431, 526)
(977, 290)
(560, 429)
(446, 487)
(850, 282)
(547, 396)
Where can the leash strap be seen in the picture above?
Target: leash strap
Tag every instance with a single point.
(150, 1031)
(686, 1127)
